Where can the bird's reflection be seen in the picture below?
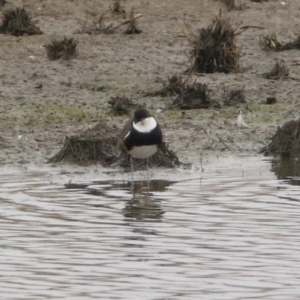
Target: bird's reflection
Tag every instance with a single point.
(143, 204)
(142, 207)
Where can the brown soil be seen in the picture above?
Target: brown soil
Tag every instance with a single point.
(42, 101)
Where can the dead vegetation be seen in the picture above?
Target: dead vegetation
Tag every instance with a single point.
(132, 24)
(231, 5)
(279, 71)
(117, 8)
(174, 85)
(214, 48)
(121, 105)
(101, 26)
(17, 22)
(271, 100)
(2, 3)
(286, 141)
(103, 144)
(270, 43)
(190, 93)
(192, 96)
(62, 49)
(95, 144)
(233, 97)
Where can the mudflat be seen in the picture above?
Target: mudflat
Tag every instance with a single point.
(43, 101)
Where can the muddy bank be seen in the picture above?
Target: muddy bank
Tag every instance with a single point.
(43, 101)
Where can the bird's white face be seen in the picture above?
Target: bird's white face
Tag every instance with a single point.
(145, 125)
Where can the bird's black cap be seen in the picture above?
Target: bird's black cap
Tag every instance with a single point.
(140, 114)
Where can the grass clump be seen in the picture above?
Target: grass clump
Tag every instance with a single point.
(17, 22)
(121, 105)
(192, 96)
(214, 49)
(174, 85)
(286, 141)
(62, 49)
(233, 97)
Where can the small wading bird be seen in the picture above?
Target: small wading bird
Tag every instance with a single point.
(143, 137)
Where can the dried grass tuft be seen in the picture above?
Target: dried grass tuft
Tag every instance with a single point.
(62, 49)
(192, 95)
(233, 97)
(279, 71)
(17, 22)
(121, 105)
(230, 5)
(286, 141)
(132, 24)
(99, 26)
(214, 49)
(117, 8)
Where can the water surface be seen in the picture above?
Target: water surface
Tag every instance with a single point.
(230, 232)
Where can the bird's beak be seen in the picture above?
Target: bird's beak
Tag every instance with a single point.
(143, 121)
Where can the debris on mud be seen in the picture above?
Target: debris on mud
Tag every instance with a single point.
(174, 85)
(234, 97)
(100, 26)
(271, 100)
(103, 144)
(270, 43)
(214, 48)
(132, 24)
(121, 105)
(17, 22)
(95, 144)
(191, 95)
(62, 49)
(97, 27)
(279, 71)
(230, 5)
(2, 3)
(117, 7)
(286, 141)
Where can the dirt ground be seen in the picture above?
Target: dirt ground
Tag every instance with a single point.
(42, 101)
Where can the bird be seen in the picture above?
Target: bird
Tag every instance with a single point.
(240, 121)
(143, 136)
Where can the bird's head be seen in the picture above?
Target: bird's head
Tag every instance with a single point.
(140, 115)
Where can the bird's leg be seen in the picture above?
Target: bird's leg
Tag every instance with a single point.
(132, 179)
(147, 164)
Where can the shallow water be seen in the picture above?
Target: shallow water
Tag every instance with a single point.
(230, 232)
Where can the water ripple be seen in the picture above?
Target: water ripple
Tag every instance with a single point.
(232, 233)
